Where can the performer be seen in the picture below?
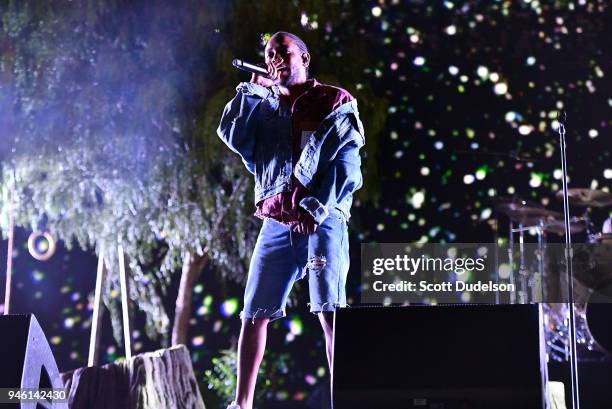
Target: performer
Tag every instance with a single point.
(301, 141)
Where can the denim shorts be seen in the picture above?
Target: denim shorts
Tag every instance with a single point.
(282, 256)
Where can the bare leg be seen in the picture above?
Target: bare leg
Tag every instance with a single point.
(327, 322)
(251, 346)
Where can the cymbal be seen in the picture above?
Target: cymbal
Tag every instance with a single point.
(557, 226)
(525, 212)
(587, 197)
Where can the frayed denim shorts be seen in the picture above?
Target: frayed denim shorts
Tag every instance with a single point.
(282, 256)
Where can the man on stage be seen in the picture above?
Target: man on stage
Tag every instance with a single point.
(301, 140)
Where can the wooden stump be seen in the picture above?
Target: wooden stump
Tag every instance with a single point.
(154, 380)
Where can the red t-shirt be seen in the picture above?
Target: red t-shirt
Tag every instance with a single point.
(307, 112)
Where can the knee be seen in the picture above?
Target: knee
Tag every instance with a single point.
(253, 329)
(327, 321)
(256, 322)
(316, 263)
(253, 324)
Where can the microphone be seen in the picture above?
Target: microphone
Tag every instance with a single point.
(248, 67)
(562, 117)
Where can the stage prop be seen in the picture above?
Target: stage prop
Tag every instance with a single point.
(27, 360)
(154, 380)
(451, 356)
(163, 379)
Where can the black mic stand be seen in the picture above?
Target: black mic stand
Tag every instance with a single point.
(562, 119)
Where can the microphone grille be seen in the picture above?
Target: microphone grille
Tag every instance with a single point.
(562, 117)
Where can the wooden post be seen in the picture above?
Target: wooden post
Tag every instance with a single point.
(9, 260)
(96, 322)
(127, 332)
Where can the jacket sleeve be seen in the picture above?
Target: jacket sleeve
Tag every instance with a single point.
(239, 121)
(338, 170)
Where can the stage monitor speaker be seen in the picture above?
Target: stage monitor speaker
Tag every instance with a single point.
(27, 360)
(444, 357)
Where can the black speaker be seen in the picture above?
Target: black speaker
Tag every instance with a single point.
(27, 360)
(443, 357)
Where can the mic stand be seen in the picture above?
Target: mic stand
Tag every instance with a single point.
(569, 267)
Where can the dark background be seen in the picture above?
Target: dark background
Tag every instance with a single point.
(450, 144)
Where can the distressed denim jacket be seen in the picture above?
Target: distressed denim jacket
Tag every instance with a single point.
(257, 127)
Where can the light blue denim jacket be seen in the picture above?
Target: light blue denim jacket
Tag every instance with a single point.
(258, 128)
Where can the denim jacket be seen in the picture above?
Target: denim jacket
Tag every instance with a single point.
(257, 127)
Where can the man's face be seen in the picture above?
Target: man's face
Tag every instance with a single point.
(293, 63)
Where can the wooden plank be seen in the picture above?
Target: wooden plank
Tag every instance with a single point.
(96, 322)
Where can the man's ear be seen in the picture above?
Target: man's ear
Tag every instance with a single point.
(306, 59)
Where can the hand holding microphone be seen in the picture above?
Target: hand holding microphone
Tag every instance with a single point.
(269, 79)
(265, 77)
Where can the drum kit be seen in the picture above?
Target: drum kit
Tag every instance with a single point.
(592, 276)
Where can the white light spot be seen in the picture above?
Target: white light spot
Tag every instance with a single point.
(536, 180)
(417, 200)
(485, 214)
(500, 88)
(593, 133)
(494, 76)
(590, 86)
(525, 129)
(451, 30)
(425, 171)
(481, 174)
(504, 271)
(510, 116)
(608, 173)
(453, 70)
(531, 60)
(558, 174)
(439, 145)
(468, 179)
(483, 72)
(376, 11)
(419, 61)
